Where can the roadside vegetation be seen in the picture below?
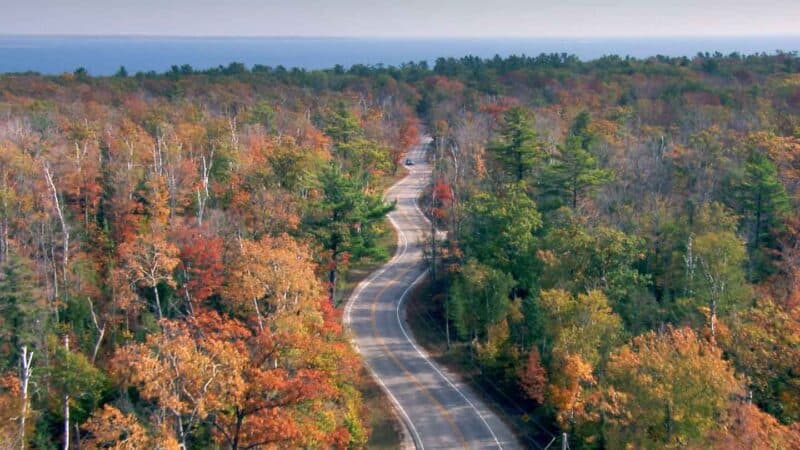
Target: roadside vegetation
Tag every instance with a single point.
(621, 257)
(172, 256)
(622, 246)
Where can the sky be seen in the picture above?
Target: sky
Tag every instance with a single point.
(402, 18)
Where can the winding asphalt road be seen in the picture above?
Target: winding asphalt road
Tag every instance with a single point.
(438, 410)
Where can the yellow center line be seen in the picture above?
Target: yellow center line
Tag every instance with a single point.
(442, 410)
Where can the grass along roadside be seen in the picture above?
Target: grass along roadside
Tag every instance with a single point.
(386, 428)
(385, 425)
(359, 270)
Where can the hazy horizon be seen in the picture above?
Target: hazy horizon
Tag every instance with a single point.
(399, 36)
(411, 18)
(103, 55)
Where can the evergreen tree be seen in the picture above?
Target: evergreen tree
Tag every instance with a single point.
(518, 146)
(580, 129)
(25, 313)
(344, 220)
(341, 125)
(763, 203)
(500, 232)
(575, 171)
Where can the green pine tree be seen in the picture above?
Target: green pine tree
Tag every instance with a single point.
(763, 204)
(23, 308)
(345, 220)
(341, 125)
(500, 231)
(575, 172)
(518, 147)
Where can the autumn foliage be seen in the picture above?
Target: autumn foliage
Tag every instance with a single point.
(621, 257)
(159, 262)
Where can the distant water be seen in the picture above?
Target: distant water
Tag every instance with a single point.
(104, 55)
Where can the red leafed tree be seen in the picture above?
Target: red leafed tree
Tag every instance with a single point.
(442, 198)
(200, 266)
(409, 132)
(498, 108)
(408, 136)
(533, 377)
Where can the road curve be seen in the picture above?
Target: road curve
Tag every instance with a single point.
(438, 410)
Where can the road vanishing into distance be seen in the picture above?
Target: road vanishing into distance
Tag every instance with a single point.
(439, 411)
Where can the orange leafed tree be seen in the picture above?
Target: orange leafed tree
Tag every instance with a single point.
(570, 388)
(669, 390)
(269, 275)
(10, 407)
(750, 428)
(277, 373)
(253, 388)
(788, 284)
(112, 429)
(184, 373)
(764, 344)
(149, 261)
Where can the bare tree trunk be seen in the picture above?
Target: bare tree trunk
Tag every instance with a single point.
(717, 290)
(332, 285)
(713, 319)
(158, 155)
(201, 206)
(60, 212)
(204, 194)
(25, 378)
(189, 306)
(433, 247)
(447, 320)
(77, 436)
(234, 132)
(258, 315)
(66, 403)
(101, 331)
(158, 301)
(4, 240)
(55, 273)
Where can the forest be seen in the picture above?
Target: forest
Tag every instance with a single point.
(622, 251)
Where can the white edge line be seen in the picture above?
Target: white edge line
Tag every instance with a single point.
(423, 353)
(402, 237)
(424, 356)
(409, 424)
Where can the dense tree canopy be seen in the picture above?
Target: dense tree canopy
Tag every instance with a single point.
(165, 251)
(645, 211)
(622, 256)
